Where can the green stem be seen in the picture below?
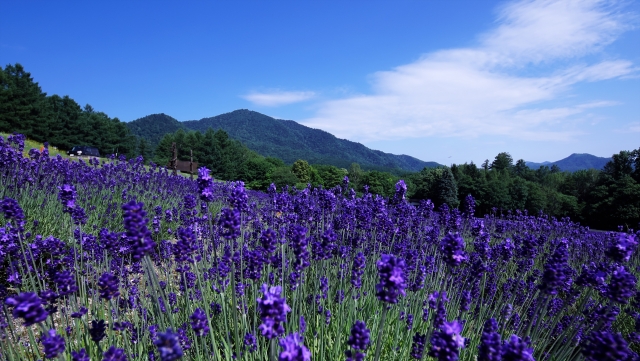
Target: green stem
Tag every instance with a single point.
(385, 310)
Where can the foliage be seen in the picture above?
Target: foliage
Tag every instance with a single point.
(60, 121)
(601, 199)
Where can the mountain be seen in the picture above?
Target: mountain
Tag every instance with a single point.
(574, 162)
(284, 139)
(153, 127)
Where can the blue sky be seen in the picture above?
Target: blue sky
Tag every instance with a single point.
(446, 81)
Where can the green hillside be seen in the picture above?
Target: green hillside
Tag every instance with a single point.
(284, 139)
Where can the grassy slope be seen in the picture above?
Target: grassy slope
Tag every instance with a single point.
(32, 144)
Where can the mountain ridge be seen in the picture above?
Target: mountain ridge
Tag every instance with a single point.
(574, 162)
(284, 139)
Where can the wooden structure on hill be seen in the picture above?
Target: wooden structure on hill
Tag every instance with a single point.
(184, 166)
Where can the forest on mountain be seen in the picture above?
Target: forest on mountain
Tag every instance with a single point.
(283, 139)
(602, 199)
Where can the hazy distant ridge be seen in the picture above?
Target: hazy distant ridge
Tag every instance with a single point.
(574, 162)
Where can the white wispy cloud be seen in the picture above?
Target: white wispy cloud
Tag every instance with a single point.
(476, 91)
(278, 98)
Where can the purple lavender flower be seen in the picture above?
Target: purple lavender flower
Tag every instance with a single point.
(12, 211)
(186, 245)
(108, 286)
(230, 223)
(250, 342)
(605, 345)
(517, 349)
(354, 355)
(205, 185)
(27, 306)
(52, 343)
(269, 241)
(79, 216)
(392, 283)
(325, 248)
(441, 314)
(135, 225)
(294, 349)
(114, 354)
(67, 196)
(80, 355)
(490, 342)
(299, 243)
(168, 346)
(254, 261)
(65, 282)
(238, 198)
(302, 324)
(358, 270)
(452, 247)
(83, 311)
(409, 321)
(327, 316)
(401, 191)
(418, 282)
(360, 336)
(465, 301)
(622, 248)
(469, 206)
(273, 311)
(49, 297)
(446, 343)
(199, 322)
(622, 286)
(556, 271)
(97, 330)
(417, 347)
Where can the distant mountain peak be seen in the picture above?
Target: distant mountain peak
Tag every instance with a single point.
(574, 162)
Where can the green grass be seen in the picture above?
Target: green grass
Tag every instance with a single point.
(32, 144)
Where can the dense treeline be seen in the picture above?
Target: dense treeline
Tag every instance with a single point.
(601, 199)
(26, 109)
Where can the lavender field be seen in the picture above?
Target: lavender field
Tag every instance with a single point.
(118, 261)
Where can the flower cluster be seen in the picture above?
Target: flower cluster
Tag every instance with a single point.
(446, 343)
(452, 247)
(273, 311)
(622, 247)
(359, 341)
(294, 349)
(135, 225)
(205, 184)
(168, 346)
(27, 306)
(392, 281)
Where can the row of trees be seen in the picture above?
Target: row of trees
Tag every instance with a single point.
(601, 199)
(25, 109)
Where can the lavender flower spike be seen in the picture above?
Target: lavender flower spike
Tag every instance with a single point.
(392, 281)
(27, 306)
(273, 311)
(294, 349)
